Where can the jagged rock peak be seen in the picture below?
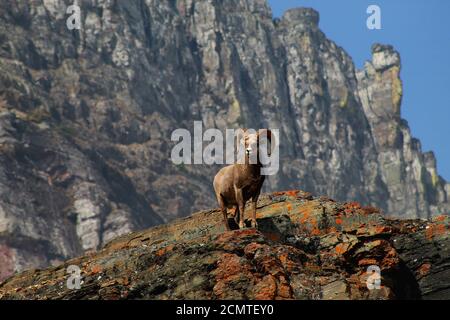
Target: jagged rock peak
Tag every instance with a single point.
(305, 16)
(379, 47)
(384, 56)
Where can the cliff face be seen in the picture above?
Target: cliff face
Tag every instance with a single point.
(413, 184)
(304, 248)
(86, 117)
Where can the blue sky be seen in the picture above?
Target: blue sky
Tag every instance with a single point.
(420, 31)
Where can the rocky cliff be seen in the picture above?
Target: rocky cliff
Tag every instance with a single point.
(305, 248)
(86, 117)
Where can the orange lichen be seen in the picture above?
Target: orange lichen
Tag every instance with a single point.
(284, 290)
(332, 230)
(435, 230)
(292, 193)
(341, 248)
(251, 248)
(424, 269)
(228, 236)
(164, 250)
(352, 205)
(305, 216)
(266, 289)
(229, 267)
(305, 211)
(367, 262)
(287, 263)
(289, 207)
(383, 229)
(96, 269)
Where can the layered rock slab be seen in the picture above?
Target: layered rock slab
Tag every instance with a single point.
(305, 248)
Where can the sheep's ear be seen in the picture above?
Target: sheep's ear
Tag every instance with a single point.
(240, 133)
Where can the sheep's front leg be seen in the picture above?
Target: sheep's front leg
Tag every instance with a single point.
(241, 205)
(224, 212)
(236, 215)
(254, 223)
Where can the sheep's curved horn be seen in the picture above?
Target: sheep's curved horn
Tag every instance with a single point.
(238, 136)
(268, 134)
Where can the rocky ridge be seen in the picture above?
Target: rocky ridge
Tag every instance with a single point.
(305, 248)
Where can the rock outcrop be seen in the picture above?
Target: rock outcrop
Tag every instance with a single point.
(410, 176)
(86, 117)
(305, 248)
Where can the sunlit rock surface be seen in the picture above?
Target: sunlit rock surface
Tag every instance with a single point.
(305, 248)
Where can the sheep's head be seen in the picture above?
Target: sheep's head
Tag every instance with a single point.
(252, 141)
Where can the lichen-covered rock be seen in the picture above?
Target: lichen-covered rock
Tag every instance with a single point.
(86, 117)
(304, 248)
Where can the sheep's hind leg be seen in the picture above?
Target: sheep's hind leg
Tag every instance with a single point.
(254, 223)
(241, 205)
(223, 208)
(237, 214)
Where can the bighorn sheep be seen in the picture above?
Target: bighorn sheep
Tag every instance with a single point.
(235, 184)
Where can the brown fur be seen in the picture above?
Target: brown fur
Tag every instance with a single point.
(235, 184)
